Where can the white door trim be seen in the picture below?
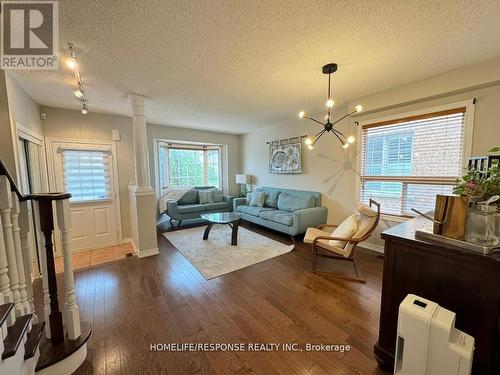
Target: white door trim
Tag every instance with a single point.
(50, 152)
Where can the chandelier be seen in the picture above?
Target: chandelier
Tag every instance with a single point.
(328, 125)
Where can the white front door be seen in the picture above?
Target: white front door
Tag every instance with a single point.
(86, 170)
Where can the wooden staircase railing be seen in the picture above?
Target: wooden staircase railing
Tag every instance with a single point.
(16, 287)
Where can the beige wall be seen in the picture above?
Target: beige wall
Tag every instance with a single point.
(6, 146)
(331, 170)
(63, 123)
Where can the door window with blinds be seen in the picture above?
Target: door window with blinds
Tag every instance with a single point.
(86, 174)
(405, 162)
(183, 165)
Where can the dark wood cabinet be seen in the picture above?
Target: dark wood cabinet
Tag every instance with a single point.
(461, 281)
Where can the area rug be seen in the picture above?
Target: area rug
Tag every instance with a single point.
(215, 257)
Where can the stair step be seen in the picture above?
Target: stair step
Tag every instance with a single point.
(4, 312)
(15, 335)
(33, 339)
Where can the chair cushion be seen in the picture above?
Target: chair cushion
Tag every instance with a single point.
(254, 211)
(281, 217)
(216, 206)
(189, 208)
(191, 197)
(206, 196)
(346, 229)
(293, 202)
(312, 233)
(218, 195)
(258, 199)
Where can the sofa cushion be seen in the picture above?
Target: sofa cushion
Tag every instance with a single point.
(250, 210)
(216, 206)
(293, 202)
(191, 197)
(281, 217)
(258, 199)
(218, 195)
(189, 208)
(206, 196)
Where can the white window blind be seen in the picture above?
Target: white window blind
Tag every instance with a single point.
(87, 174)
(406, 162)
(183, 165)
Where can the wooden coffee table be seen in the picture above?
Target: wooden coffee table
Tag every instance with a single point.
(230, 218)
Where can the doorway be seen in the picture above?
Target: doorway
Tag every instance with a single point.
(88, 171)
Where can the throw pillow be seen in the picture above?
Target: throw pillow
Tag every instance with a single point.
(206, 196)
(346, 229)
(218, 195)
(248, 198)
(258, 199)
(272, 198)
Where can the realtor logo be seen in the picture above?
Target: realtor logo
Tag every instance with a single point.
(30, 39)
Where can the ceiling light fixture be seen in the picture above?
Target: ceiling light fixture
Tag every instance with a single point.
(328, 126)
(72, 63)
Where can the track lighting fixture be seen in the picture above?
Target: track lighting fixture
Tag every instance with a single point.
(328, 126)
(72, 63)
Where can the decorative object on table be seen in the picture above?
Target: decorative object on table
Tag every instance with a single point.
(482, 178)
(216, 256)
(245, 180)
(341, 243)
(483, 224)
(328, 125)
(285, 156)
(450, 216)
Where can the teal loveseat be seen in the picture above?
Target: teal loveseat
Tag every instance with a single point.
(285, 210)
(188, 207)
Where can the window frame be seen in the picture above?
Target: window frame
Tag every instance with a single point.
(364, 121)
(159, 143)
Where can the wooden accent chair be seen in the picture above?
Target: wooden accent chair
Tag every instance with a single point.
(327, 244)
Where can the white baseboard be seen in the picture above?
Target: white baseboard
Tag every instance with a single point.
(372, 247)
(148, 252)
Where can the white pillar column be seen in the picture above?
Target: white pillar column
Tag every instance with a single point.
(142, 196)
(141, 153)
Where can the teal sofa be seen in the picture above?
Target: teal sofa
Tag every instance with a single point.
(188, 207)
(285, 210)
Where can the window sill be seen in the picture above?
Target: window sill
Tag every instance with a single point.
(394, 218)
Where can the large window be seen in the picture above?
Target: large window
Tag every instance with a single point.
(189, 165)
(407, 161)
(86, 175)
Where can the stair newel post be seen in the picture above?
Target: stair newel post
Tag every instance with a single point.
(14, 217)
(5, 209)
(47, 227)
(43, 268)
(71, 311)
(24, 225)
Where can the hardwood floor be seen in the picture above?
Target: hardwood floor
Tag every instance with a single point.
(133, 303)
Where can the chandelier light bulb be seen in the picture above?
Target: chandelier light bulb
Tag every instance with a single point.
(329, 103)
(359, 108)
(310, 147)
(308, 141)
(302, 114)
(71, 63)
(345, 145)
(327, 118)
(84, 111)
(351, 139)
(78, 93)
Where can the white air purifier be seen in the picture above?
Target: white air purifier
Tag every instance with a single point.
(428, 342)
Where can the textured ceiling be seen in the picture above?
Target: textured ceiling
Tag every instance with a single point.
(234, 66)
